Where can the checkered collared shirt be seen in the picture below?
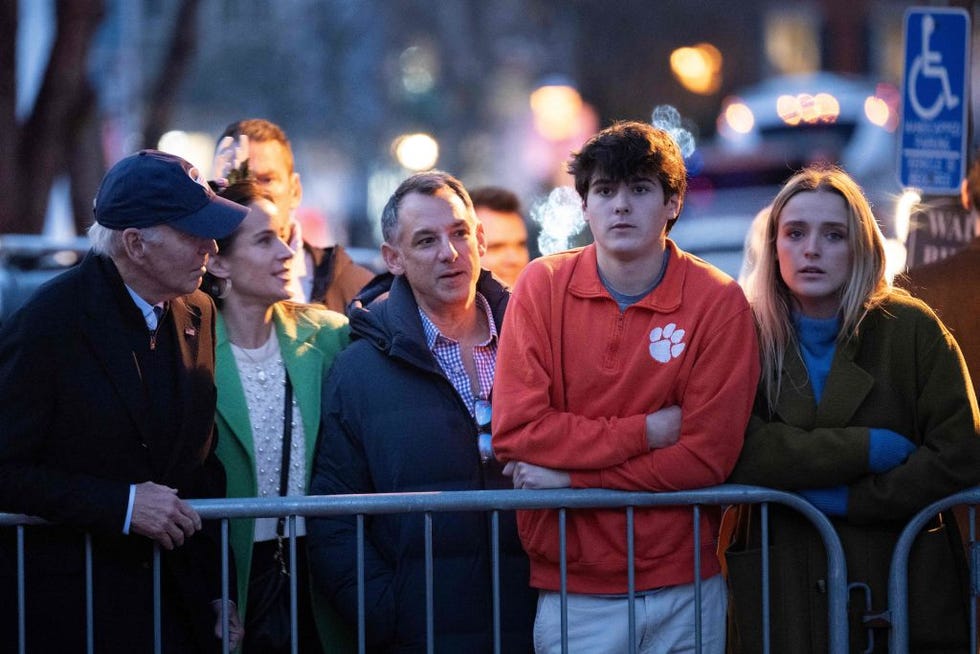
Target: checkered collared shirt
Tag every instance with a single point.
(448, 353)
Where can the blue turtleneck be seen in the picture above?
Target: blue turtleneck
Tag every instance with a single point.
(818, 341)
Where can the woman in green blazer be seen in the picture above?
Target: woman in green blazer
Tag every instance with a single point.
(865, 408)
(262, 342)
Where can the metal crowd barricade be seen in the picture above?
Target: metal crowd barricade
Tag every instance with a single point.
(898, 576)
(494, 502)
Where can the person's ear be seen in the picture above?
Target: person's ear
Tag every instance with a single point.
(218, 266)
(674, 204)
(964, 195)
(295, 191)
(481, 238)
(393, 259)
(133, 243)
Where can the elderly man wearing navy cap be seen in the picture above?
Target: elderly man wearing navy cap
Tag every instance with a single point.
(107, 406)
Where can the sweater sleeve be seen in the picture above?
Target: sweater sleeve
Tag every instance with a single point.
(715, 409)
(887, 449)
(526, 425)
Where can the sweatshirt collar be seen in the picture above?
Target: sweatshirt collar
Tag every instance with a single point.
(585, 282)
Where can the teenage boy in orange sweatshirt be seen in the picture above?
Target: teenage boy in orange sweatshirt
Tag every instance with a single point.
(631, 365)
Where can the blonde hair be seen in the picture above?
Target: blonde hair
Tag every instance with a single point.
(772, 301)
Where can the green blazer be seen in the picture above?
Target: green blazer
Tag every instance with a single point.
(309, 339)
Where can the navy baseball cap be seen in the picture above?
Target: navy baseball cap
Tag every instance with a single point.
(156, 188)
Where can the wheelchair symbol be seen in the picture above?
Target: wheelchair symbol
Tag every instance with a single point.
(929, 64)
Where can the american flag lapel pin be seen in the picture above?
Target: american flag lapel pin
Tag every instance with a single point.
(190, 332)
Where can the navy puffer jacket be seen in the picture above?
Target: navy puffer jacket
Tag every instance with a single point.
(392, 422)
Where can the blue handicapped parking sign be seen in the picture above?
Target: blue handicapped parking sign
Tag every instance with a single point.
(935, 99)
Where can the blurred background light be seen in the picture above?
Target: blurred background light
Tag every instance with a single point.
(416, 152)
(556, 110)
(789, 110)
(792, 45)
(737, 117)
(876, 110)
(419, 69)
(807, 109)
(697, 68)
(827, 108)
(195, 147)
(907, 203)
(882, 108)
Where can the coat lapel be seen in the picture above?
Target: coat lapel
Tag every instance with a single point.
(304, 364)
(187, 333)
(232, 406)
(123, 370)
(107, 310)
(847, 387)
(796, 403)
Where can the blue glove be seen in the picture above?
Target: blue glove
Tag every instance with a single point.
(832, 501)
(887, 449)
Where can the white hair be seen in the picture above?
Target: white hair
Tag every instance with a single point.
(105, 241)
(109, 242)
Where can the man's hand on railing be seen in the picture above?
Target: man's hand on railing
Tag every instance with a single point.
(235, 629)
(663, 427)
(528, 475)
(161, 516)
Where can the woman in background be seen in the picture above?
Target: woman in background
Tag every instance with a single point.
(267, 347)
(865, 408)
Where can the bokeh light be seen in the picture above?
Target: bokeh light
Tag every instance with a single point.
(195, 147)
(882, 108)
(697, 68)
(826, 107)
(419, 68)
(556, 110)
(876, 110)
(561, 217)
(416, 152)
(807, 109)
(737, 117)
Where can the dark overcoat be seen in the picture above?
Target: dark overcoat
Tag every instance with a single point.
(950, 288)
(903, 372)
(80, 424)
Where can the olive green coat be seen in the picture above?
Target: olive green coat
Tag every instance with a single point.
(903, 372)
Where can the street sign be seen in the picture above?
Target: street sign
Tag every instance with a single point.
(938, 227)
(935, 99)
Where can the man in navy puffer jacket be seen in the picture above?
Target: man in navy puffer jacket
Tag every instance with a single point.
(400, 415)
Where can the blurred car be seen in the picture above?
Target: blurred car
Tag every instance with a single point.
(768, 131)
(713, 225)
(29, 260)
(790, 121)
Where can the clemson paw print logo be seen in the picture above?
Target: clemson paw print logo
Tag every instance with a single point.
(666, 343)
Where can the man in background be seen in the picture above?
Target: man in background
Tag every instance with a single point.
(324, 275)
(951, 287)
(500, 212)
